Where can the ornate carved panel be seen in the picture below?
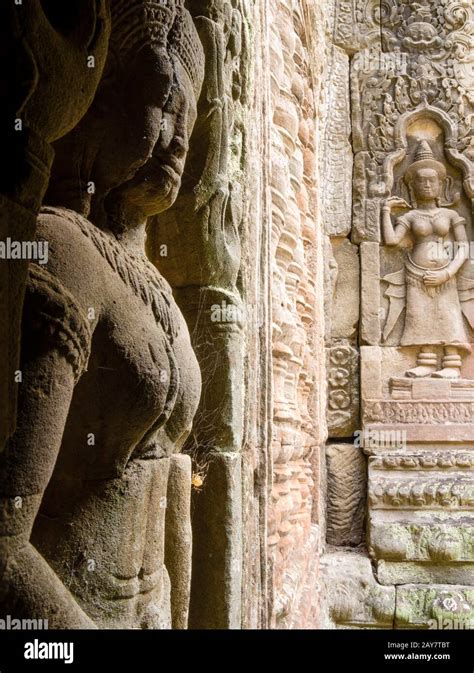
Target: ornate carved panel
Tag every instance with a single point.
(413, 134)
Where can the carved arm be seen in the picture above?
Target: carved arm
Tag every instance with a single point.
(392, 235)
(460, 236)
(56, 340)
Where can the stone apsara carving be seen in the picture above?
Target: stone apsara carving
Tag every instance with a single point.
(425, 59)
(201, 236)
(427, 287)
(111, 383)
(210, 209)
(412, 132)
(33, 116)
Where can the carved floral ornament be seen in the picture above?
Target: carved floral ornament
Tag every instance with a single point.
(425, 461)
(392, 139)
(427, 59)
(424, 413)
(422, 493)
(436, 28)
(340, 376)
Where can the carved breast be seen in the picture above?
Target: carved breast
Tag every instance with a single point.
(141, 389)
(425, 224)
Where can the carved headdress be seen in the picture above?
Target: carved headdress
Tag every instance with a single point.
(424, 158)
(185, 45)
(164, 23)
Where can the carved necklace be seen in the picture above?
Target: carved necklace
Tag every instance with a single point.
(137, 272)
(426, 213)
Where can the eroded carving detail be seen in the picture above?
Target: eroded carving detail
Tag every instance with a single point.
(427, 287)
(111, 383)
(346, 493)
(293, 194)
(426, 412)
(343, 397)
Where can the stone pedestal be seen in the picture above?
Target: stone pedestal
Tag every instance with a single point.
(421, 479)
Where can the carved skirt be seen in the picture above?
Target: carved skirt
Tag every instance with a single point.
(433, 314)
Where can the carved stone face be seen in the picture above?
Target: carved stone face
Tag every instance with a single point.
(426, 184)
(133, 142)
(156, 183)
(421, 36)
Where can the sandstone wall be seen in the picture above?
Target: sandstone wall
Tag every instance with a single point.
(405, 96)
(327, 475)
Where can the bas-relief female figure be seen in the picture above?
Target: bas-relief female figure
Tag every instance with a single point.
(95, 527)
(428, 285)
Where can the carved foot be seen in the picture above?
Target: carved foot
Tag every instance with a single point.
(447, 373)
(420, 372)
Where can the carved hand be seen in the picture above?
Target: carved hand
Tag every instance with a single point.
(394, 202)
(434, 278)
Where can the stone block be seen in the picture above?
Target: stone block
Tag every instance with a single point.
(346, 494)
(343, 388)
(435, 607)
(345, 306)
(350, 595)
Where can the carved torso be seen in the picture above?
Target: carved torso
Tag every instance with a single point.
(131, 409)
(428, 228)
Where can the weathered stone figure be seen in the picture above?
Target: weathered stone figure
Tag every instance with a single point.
(433, 309)
(95, 524)
(47, 91)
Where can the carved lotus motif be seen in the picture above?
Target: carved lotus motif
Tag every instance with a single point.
(339, 399)
(339, 377)
(341, 355)
(450, 602)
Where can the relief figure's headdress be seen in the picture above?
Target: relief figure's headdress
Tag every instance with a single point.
(165, 23)
(424, 158)
(184, 43)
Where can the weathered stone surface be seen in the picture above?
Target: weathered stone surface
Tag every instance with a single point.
(370, 293)
(350, 595)
(346, 494)
(420, 514)
(197, 246)
(370, 373)
(331, 271)
(47, 92)
(178, 539)
(342, 363)
(345, 304)
(336, 151)
(101, 324)
(217, 566)
(389, 573)
(297, 304)
(435, 607)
